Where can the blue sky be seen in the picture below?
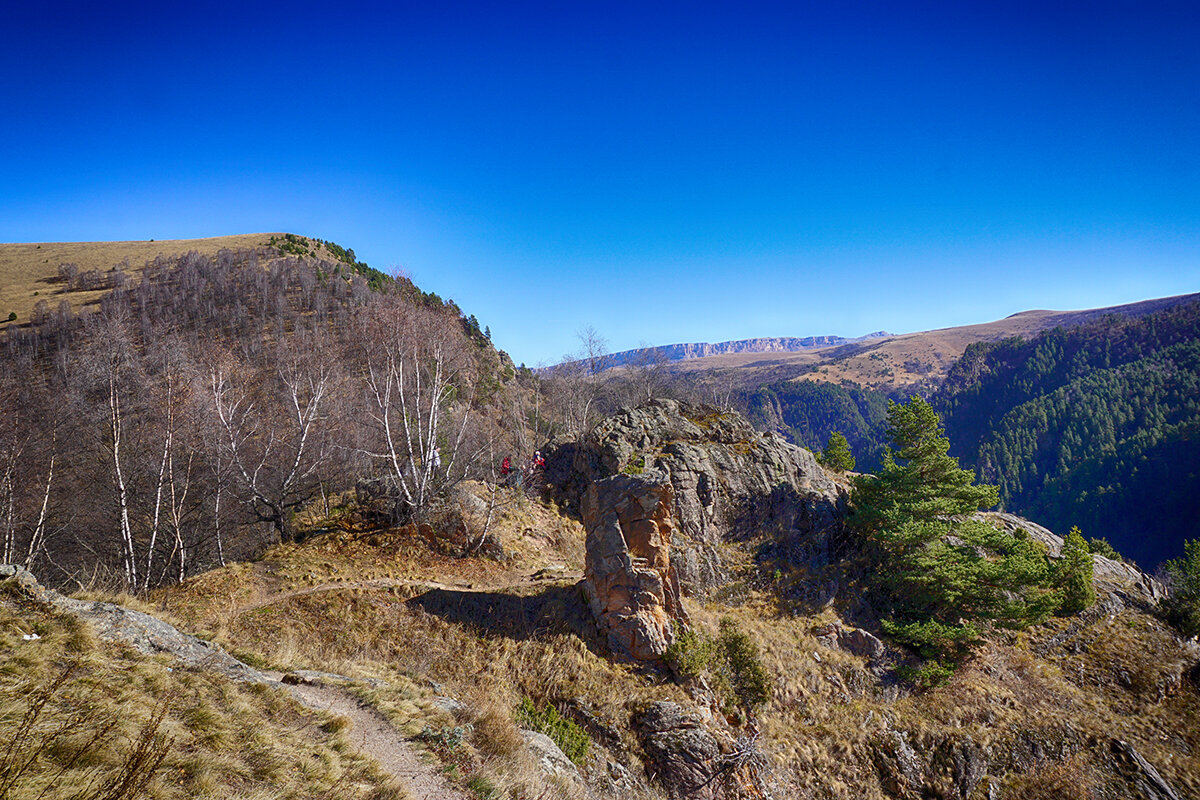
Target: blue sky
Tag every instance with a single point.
(663, 172)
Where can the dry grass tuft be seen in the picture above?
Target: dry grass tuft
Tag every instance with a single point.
(83, 719)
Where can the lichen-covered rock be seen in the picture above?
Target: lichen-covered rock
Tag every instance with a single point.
(551, 760)
(682, 755)
(729, 480)
(628, 576)
(140, 631)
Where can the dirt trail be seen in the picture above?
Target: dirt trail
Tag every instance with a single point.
(385, 583)
(371, 733)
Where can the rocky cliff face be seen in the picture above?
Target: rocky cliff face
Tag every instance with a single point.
(689, 350)
(630, 582)
(728, 481)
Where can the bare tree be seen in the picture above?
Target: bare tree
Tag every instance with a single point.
(579, 380)
(643, 377)
(418, 377)
(111, 370)
(272, 430)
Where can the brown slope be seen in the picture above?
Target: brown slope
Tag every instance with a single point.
(29, 271)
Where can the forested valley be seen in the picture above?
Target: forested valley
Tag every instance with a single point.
(1096, 426)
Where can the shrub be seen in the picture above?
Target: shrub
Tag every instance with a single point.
(570, 738)
(730, 662)
(690, 654)
(748, 678)
(12, 315)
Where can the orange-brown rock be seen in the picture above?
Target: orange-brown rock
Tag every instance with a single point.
(628, 577)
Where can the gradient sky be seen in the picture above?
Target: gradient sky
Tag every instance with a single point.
(663, 172)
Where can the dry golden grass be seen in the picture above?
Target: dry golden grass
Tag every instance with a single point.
(491, 647)
(216, 739)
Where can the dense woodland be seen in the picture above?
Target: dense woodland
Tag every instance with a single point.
(808, 412)
(1087, 426)
(1096, 425)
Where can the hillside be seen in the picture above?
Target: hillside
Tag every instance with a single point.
(1090, 426)
(31, 272)
(208, 401)
(468, 656)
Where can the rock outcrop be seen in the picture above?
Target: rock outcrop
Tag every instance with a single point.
(682, 754)
(140, 631)
(729, 481)
(628, 575)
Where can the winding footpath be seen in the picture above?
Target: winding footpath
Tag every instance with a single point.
(370, 731)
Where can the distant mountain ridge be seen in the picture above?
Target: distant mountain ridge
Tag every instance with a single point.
(690, 350)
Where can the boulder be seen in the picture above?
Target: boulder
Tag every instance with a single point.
(551, 760)
(854, 641)
(729, 481)
(681, 754)
(628, 576)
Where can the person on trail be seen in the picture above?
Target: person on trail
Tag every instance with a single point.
(505, 467)
(538, 461)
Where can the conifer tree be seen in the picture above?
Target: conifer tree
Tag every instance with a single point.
(1074, 574)
(1182, 606)
(837, 455)
(939, 577)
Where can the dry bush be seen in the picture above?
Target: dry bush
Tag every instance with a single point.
(1055, 780)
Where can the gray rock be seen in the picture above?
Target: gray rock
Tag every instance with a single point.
(729, 481)
(681, 753)
(1145, 779)
(140, 631)
(449, 705)
(900, 770)
(552, 761)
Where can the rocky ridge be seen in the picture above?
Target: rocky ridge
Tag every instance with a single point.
(689, 350)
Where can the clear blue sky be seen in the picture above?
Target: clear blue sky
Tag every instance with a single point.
(663, 172)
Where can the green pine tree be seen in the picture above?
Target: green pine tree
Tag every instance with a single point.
(1074, 574)
(1182, 606)
(941, 578)
(837, 455)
